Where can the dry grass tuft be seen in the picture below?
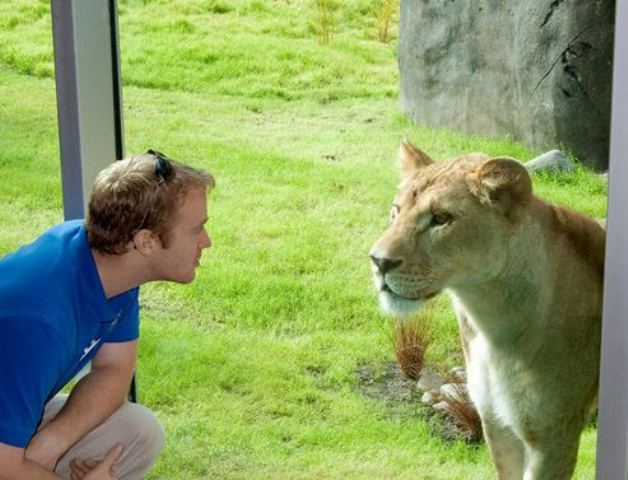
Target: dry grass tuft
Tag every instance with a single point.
(411, 340)
(462, 413)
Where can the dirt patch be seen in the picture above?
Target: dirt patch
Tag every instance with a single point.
(387, 384)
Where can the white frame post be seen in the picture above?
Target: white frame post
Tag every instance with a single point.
(612, 441)
(89, 94)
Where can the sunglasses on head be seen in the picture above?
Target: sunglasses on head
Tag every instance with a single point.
(163, 168)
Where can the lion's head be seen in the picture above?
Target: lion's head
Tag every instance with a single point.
(450, 224)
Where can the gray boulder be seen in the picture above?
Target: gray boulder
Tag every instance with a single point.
(553, 161)
(537, 71)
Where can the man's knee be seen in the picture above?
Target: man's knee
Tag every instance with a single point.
(132, 425)
(149, 434)
(144, 440)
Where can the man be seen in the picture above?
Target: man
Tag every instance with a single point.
(71, 297)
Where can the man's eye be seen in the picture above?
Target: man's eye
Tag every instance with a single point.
(440, 218)
(394, 211)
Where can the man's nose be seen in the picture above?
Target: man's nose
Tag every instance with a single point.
(207, 241)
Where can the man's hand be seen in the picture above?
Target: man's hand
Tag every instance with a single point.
(92, 470)
(81, 467)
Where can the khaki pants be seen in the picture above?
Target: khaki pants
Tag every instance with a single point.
(132, 425)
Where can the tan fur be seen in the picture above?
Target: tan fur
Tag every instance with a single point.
(525, 278)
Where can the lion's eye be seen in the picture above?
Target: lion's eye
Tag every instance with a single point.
(440, 218)
(394, 211)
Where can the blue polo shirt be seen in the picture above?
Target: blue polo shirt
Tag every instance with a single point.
(53, 319)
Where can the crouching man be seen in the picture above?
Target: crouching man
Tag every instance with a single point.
(71, 297)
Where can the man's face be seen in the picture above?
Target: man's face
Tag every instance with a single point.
(187, 240)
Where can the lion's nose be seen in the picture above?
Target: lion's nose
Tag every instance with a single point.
(385, 264)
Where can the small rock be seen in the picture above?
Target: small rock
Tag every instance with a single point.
(430, 397)
(442, 407)
(429, 381)
(459, 373)
(452, 391)
(553, 161)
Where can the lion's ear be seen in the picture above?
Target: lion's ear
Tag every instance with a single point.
(503, 183)
(412, 159)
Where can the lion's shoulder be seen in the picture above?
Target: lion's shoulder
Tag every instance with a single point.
(585, 236)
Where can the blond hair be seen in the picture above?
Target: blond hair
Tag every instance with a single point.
(132, 194)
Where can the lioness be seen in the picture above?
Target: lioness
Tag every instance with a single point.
(525, 279)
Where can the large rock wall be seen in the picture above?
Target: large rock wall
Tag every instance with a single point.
(538, 71)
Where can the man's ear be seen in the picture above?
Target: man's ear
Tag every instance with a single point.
(503, 183)
(145, 242)
(411, 159)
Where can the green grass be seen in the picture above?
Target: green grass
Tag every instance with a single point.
(253, 367)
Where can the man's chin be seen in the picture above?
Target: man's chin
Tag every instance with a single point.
(397, 306)
(181, 278)
(189, 278)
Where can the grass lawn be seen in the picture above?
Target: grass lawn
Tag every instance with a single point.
(257, 368)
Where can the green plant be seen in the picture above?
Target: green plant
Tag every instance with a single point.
(324, 20)
(385, 10)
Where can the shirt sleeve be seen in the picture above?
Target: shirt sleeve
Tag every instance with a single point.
(31, 357)
(128, 326)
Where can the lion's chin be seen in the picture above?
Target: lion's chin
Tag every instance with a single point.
(397, 306)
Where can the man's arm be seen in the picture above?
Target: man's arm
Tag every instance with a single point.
(93, 399)
(15, 465)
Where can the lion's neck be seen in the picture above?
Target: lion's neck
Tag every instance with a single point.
(502, 308)
(534, 282)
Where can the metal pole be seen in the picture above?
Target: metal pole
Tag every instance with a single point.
(612, 442)
(89, 100)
